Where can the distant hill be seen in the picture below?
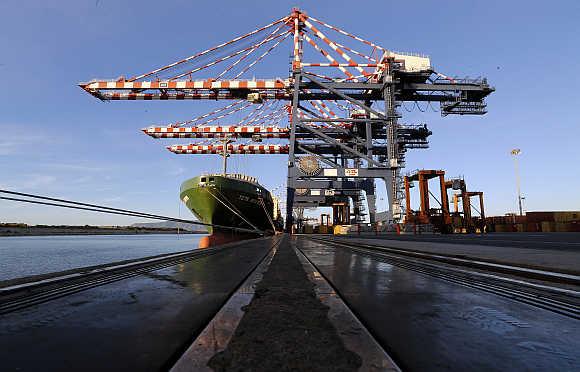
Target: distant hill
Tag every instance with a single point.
(171, 225)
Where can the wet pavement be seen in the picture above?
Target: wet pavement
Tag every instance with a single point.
(559, 255)
(550, 241)
(142, 323)
(426, 323)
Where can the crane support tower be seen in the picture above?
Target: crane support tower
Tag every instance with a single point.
(341, 100)
(425, 214)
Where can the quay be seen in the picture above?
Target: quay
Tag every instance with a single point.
(309, 303)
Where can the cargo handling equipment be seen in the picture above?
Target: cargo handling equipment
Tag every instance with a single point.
(335, 116)
(442, 219)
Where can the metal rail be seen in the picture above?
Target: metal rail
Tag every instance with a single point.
(550, 276)
(559, 300)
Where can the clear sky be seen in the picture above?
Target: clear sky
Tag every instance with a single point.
(57, 140)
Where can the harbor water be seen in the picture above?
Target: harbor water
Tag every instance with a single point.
(22, 256)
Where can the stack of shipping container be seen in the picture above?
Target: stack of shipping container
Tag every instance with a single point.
(536, 222)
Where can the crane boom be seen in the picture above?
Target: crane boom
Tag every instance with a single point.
(185, 89)
(231, 149)
(342, 109)
(213, 131)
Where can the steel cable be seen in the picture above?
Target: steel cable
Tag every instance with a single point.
(104, 209)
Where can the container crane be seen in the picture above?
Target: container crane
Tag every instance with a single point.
(341, 110)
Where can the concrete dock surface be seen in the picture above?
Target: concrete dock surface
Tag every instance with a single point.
(422, 322)
(560, 252)
(429, 324)
(142, 323)
(556, 241)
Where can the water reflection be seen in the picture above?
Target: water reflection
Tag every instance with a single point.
(34, 255)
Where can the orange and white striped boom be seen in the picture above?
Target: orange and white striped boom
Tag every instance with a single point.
(228, 61)
(184, 90)
(231, 149)
(214, 131)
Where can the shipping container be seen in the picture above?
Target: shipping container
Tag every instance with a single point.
(548, 226)
(540, 217)
(561, 227)
(574, 226)
(533, 227)
(566, 216)
(341, 229)
(503, 228)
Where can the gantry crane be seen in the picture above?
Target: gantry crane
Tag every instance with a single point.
(343, 130)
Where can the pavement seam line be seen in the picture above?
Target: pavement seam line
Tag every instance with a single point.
(361, 341)
(220, 330)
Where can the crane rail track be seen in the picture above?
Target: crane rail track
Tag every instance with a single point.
(29, 295)
(559, 300)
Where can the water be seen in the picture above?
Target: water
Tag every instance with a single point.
(22, 256)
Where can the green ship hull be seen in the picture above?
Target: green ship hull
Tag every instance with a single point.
(232, 200)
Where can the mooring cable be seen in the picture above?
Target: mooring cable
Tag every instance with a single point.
(110, 210)
(231, 209)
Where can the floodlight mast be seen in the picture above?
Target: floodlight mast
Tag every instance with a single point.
(515, 153)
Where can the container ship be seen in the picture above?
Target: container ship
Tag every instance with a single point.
(236, 204)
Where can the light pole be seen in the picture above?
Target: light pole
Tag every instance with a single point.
(515, 153)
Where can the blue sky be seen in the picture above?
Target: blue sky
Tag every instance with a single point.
(56, 140)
